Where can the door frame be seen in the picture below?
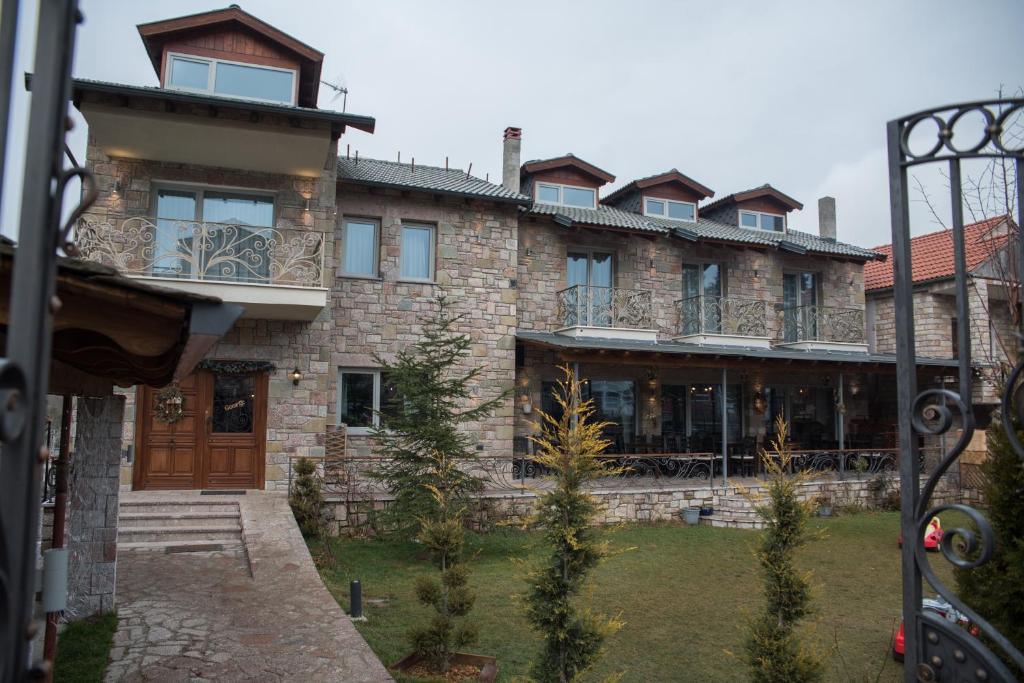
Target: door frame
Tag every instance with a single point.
(144, 394)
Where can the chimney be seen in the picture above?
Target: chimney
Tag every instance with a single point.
(827, 218)
(510, 158)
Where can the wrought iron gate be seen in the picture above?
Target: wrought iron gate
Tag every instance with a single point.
(936, 649)
(24, 372)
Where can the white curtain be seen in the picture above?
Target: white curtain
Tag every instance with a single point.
(415, 261)
(360, 246)
(175, 211)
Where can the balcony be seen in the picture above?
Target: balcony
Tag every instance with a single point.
(606, 312)
(723, 321)
(275, 273)
(822, 328)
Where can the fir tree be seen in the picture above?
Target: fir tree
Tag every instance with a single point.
(774, 652)
(996, 589)
(569, 447)
(430, 391)
(444, 537)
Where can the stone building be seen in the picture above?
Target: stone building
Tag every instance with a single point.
(696, 322)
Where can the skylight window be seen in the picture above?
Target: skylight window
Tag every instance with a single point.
(673, 210)
(566, 195)
(231, 79)
(756, 220)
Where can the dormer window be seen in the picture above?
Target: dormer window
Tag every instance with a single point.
(566, 195)
(671, 209)
(757, 220)
(230, 79)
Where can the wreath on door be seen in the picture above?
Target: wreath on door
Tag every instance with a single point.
(170, 405)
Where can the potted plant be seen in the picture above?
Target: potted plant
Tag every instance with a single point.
(824, 504)
(706, 510)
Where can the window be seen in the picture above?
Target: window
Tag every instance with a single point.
(593, 269)
(800, 306)
(417, 257)
(210, 234)
(363, 395)
(566, 195)
(756, 220)
(359, 247)
(231, 79)
(615, 402)
(703, 287)
(673, 210)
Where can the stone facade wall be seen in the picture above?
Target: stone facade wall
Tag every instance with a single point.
(475, 266)
(92, 514)
(654, 263)
(934, 310)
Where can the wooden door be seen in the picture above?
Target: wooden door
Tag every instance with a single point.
(169, 455)
(235, 430)
(220, 442)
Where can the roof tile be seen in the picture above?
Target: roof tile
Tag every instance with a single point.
(453, 181)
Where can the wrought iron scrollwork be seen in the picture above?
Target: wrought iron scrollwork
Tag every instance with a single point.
(739, 316)
(591, 306)
(937, 649)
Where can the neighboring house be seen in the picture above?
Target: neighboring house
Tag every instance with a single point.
(690, 318)
(990, 310)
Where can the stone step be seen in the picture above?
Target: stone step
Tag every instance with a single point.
(186, 505)
(726, 523)
(131, 534)
(178, 546)
(173, 519)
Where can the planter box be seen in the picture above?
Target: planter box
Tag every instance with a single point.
(488, 665)
(825, 511)
(691, 516)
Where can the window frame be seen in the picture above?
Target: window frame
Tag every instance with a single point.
(560, 187)
(375, 275)
(759, 214)
(722, 275)
(431, 259)
(590, 251)
(665, 215)
(200, 189)
(211, 77)
(375, 400)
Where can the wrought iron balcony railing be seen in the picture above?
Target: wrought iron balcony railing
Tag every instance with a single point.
(822, 323)
(723, 315)
(193, 250)
(587, 306)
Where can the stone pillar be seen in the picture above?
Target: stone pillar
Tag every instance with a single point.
(92, 517)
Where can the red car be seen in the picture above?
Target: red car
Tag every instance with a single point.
(937, 606)
(932, 535)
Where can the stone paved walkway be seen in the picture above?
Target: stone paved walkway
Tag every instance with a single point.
(259, 614)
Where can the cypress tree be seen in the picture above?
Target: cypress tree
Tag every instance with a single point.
(569, 447)
(774, 651)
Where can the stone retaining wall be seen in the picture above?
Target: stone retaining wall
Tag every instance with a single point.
(634, 504)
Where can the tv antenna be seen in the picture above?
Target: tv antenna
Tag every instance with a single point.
(339, 91)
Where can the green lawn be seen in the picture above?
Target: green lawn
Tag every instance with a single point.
(82, 649)
(684, 593)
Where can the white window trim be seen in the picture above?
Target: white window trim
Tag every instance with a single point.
(432, 265)
(375, 275)
(211, 75)
(200, 189)
(667, 202)
(739, 220)
(560, 186)
(359, 431)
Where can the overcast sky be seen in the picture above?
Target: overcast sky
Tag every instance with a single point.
(733, 94)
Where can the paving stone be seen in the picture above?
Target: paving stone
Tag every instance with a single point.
(255, 614)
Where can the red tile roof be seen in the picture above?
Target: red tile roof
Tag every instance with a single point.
(932, 254)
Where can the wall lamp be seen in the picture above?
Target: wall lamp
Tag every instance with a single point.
(296, 375)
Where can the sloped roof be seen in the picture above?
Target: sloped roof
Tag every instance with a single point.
(566, 160)
(765, 190)
(672, 175)
(603, 216)
(453, 181)
(932, 254)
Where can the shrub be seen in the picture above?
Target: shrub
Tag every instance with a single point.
(569, 447)
(307, 498)
(774, 652)
(444, 537)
